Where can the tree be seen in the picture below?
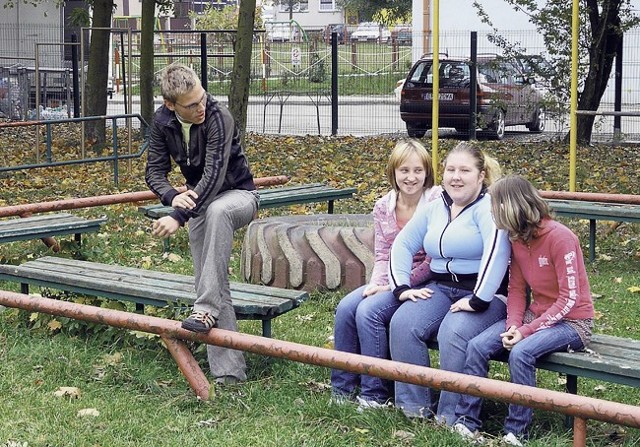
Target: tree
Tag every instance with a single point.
(240, 79)
(147, 66)
(98, 70)
(147, 55)
(243, 19)
(385, 12)
(602, 25)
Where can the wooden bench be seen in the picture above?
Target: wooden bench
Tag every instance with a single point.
(272, 198)
(147, 287)
(47, 225)
(593, 211)
(608, 358)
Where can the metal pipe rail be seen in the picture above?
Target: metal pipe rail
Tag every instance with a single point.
(110, 199)
(631, 199)
(580, 407)
(49, 157)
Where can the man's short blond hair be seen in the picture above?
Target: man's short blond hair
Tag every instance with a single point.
(177, 80)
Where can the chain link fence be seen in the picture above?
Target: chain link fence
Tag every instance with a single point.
(291, 80)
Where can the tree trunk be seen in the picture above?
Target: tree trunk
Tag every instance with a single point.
(605, 39)
(240, 78)
(147, 67)
(98, 71)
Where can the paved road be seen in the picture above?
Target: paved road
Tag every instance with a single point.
(357, 116)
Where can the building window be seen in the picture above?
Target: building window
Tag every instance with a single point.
(328, 5)
(296, 6)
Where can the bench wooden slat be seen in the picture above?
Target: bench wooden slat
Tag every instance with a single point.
(595, 210)
(609, 358)
(275, 197)
(146, 286)
(46, 225)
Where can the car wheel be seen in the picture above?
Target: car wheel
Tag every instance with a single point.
(537, 125)
(415, 132)
(496, 131)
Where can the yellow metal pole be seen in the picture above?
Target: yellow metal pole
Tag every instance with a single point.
(435, 101)
(573, 132)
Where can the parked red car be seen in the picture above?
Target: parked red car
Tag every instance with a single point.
(505, 96)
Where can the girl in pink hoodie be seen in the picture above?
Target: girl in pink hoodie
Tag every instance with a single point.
(545, 258)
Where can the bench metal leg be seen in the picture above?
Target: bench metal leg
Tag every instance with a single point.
(188, 365)
(266, 328)
(570, 387)
(140, 308)
(166, 245)
(78, 238)
(24, 288)
(330, 206)
(592, 240)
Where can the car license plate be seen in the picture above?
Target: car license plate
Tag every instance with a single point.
(442, 96)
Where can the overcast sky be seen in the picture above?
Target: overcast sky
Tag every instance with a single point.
(461, 15)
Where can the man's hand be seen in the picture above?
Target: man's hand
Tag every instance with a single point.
(415, 294)
(510, 338)
(165, 226)
(462, 305)
(185, 200)
(372, 290)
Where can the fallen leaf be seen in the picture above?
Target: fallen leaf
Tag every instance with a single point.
(617, 280)
(54, 325)
(600, 388)
(69, 391)
(172, 257)
(207, 423)
(361, 430)
(403, 435)
(112, 359)
(634, 289)
(316, 387)
(88, 412)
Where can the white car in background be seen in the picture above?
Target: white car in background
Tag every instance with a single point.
(371, 32)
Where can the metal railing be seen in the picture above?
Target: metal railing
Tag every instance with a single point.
(115, 157)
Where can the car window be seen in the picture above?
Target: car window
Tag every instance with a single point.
(422, 73)
(454, 73)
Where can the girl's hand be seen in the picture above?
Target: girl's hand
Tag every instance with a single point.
(373, 289)
(510, 338)
(461, 305)
(415, 294)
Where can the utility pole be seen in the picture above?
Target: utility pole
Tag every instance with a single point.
(421, 12)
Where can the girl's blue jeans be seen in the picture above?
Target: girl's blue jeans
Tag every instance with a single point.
(361, 328)
(522, 360)
(416, 322)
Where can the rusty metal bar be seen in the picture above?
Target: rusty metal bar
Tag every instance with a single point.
(579, 432)
(110, 199)
(632, 199)
(569, 404)
(188, 365)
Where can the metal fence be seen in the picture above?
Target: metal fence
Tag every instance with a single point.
(291, 81)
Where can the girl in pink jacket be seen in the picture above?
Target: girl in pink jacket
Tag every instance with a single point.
(545, 257)
(362, 317)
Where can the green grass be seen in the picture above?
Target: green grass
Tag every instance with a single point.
(363, 68)
(135, 385)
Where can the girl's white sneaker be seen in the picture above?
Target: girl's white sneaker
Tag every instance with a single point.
(511, 439)
(473, 437)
